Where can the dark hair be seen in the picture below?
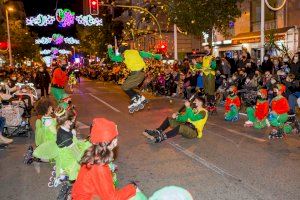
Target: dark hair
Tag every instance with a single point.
(42, 106)
(97, 154)
(199, 98)
(68, 116)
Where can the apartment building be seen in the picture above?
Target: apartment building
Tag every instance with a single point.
(245, 32)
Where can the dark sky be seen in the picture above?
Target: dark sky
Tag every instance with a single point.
(35, 7)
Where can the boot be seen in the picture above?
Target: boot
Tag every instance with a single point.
(4, 140)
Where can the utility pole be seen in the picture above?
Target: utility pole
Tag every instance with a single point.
(175, 43)
(262, 30)
(8, 39)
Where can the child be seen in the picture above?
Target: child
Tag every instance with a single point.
(257, 115)
(279, 113)
(232, 105)
(95, 177)
(67, 150)
(189, 125)
(45, 127)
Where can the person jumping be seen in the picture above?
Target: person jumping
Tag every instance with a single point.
(133, 60)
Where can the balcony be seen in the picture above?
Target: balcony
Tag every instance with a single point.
(255, 26)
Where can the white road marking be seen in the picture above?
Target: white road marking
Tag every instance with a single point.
(203, 161)
(243, 114)
(238, 133)
(105, 103)
(82, 125)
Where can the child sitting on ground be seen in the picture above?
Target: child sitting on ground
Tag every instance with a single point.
(67, 150)
(45, 125)
(95, 178)
(232, 105)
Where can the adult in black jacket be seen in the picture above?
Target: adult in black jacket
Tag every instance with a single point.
(295, 66)
(267, 64)
(42, 81)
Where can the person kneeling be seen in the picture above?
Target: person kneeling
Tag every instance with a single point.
(189, 124)
(257, 116)
(232, 105)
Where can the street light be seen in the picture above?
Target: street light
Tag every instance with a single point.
(8, 35)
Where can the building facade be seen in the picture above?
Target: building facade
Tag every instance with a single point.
(283, 25)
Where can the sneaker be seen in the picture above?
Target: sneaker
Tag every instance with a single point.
(248, 124)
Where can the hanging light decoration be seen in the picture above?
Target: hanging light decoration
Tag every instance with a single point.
(40, 20)
(65, 17)
(54, 51)
(89, 20)
(57, 39)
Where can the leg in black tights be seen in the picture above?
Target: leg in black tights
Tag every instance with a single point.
(173, 132)
(131, 93)
(164, 125)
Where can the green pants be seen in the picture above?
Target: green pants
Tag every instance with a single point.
(232, 114)
(280, 122)
(58, 93)
(184, 130)
(251, 117)
(133, 80)
(209, 84)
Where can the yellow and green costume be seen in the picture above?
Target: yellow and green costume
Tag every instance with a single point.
(45, 130)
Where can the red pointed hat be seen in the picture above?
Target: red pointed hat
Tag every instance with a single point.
(103, 130)
(263, 92)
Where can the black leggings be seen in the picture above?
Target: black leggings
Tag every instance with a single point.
(165, 125)
(131, 93)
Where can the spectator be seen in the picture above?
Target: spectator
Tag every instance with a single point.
(234, 63)
(267, 64)
(295, 66)
(42, 81)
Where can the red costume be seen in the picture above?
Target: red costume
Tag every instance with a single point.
(232, 101)
(59, 78)
(95, 180)
(280, 105)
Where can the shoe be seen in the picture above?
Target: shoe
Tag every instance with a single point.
(248, 124)
(5, 140)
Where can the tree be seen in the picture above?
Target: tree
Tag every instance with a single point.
(197, 16)
(22, 41)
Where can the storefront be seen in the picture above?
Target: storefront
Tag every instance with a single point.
(287, 37)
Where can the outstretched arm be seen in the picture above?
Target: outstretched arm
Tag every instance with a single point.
(113, 56)
(145, 54)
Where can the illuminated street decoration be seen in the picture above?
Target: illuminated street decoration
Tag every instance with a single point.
(57, 39)
(40, 20)
(47, 60)
(65, 17)
(89, 20)
(54, 51)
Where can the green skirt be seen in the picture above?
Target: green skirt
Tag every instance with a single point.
(44, 133)
(58, 93)
(66, 159)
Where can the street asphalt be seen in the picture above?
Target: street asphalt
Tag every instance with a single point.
(230, 162)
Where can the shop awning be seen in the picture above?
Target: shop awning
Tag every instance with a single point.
(254, 37)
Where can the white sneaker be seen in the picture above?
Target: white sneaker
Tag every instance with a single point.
(248, 124)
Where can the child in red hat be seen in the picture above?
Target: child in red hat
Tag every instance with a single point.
(258, 115)
(95, 178)
(232, 105)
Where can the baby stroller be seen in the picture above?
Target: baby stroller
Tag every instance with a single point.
(17, 115)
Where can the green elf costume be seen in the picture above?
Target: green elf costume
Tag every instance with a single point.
(208, 67)
(258, 115)
(133, 59)
(279, 113)
(232, 105)
(45, 130)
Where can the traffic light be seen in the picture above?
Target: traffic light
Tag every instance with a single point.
(162, 47)
(3, 45)
(94, 7)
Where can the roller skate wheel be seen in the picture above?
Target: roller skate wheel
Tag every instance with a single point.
(53, 173)
(50, 184)
(136, 109)
(131, 111)
(51, 179)
(141, 106)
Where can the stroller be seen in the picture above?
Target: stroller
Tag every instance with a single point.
(17, 111)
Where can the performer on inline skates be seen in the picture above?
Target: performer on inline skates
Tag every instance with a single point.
(190, 124)
(232, 105)
(208, 67)
(133, 60)
(258, 115)
(279, 113)
(59, 81)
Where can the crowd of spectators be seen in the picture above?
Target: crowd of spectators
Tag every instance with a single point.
(182, 79)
